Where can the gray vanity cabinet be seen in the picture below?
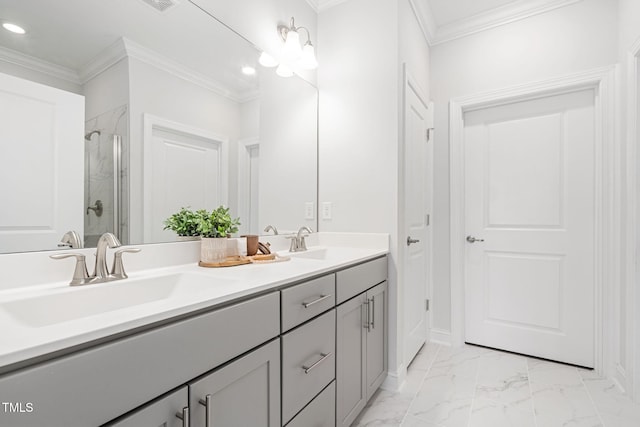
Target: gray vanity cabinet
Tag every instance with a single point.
(361, 334)
(244, 393)
(162, 412)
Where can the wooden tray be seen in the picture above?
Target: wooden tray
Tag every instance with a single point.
(262, 257)
(229, 262)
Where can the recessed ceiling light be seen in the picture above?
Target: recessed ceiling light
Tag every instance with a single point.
(249, 71)
(13, 28)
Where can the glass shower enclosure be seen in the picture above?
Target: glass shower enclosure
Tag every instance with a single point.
(106, 177)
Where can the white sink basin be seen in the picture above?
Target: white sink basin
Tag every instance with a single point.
(313, 253)
(78, 302)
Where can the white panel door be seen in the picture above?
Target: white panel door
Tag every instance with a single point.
(417, 196)
(41, 165)
(186, 172)
(530, 200)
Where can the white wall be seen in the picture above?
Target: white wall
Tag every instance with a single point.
(358, 128)
(362, 45)
(157, 92)
(287, 162)
(567, 40)
(107, 90)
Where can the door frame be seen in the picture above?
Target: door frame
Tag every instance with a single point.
(632, 295)
(607, 240)
(151, 122)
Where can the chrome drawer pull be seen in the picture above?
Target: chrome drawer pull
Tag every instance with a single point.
(184, 416)
(206, 402)
(307, 369)
(315, 301)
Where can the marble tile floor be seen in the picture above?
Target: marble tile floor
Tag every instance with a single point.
(476, 387)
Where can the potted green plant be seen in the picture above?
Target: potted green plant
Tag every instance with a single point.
(214, 227)
(184, 223)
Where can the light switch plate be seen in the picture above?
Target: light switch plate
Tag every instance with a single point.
(309, 210)
(326, 210)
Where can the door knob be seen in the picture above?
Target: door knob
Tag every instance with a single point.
(410, 241)
(472, 239)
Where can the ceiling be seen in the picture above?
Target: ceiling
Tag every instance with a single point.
(448, 11)
(72, 34)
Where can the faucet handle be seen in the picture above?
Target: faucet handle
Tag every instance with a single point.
(302, 243)
(80, 274)
(118, 267)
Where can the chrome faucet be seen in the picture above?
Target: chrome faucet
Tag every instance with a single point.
(71, 239)
(298, 243)
(269, 228)
(101, 272)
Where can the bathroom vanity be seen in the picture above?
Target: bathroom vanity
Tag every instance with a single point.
(298, 343)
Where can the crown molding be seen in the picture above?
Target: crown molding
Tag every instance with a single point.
(327, 4)
(124, 47)
(36, 64)
(105, 59)
(422, 10)
(496, 17)
(313, 4)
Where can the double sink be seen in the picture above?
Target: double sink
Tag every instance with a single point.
(63, 304)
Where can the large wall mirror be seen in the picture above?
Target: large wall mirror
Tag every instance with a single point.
(115, 114)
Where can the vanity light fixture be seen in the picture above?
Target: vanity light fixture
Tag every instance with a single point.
(248, 70)
(292, 53)
(16, 29)
(293, 56)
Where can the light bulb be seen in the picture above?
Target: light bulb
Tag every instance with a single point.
(308, 59)
(291, 51)
(267, 60)
(248, 71)
(284, 71)
(14, 28)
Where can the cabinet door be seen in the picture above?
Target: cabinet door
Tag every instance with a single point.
(350, 361)
(161, 413)
(376, 360)
(243, 393)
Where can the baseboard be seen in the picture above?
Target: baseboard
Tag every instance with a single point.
(440, 336)
(395, 380)
(621, 379)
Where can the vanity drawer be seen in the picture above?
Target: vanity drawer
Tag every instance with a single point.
(355, 280)
(306, 300)
(320, 412)
(308, 362)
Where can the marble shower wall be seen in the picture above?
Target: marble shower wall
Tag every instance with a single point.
(99, 175)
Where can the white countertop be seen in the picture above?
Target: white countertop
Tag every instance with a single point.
(24, 339)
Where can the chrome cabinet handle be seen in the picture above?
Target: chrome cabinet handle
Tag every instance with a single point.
(373, 312)
(315, 301)
(367, 324)
(206, 402)
(308, 369)
(472, 239)
(184, 416)
(410, 241)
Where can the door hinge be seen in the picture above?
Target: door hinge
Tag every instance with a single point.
(426, 305)
(427, 220)
(428, 134)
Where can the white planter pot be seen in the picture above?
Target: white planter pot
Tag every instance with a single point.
(187, 238)
(213, 250)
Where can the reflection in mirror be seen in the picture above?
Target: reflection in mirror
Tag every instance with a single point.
(116, 114)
